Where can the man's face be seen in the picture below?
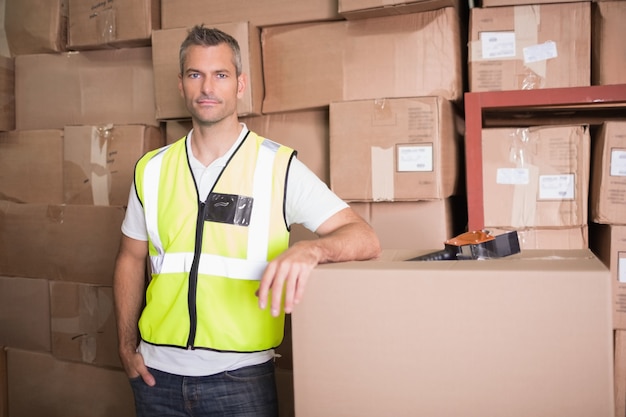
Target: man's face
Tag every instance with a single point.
(209, 83)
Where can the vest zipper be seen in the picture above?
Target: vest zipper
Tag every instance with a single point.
(193, 276)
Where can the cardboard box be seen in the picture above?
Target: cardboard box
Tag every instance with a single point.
(530, 47)
(415, 224)
(312, 65)
(41, 385)
(74, 243)
(607, 52)
(7, 94)
(620, 372)
(365, 9)
(608, 180)
(182, 13)
(35, 26)
(550, 238)
(99, 161)
(523, 335)
(84, 88)
(609, 243)
(4, 391)
(83, 323)
(166, 64)
(25, 178)
(535, 177)
(403, 149)
(25, 313)
(96, 24)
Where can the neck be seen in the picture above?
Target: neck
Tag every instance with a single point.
(209, 142)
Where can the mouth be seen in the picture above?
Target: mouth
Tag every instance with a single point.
(208, 101)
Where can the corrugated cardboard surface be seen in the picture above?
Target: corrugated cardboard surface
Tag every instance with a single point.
(41, 385)
(530, 47)
(609, 243)
(607, 200)
(496, 3)
(361, 9)
(99, 161)
(410, 55)
(83, 323)
(96, 24)
(7, 93)
(4, 391)
(550, 238)
(84, 88)
(75, 243)
(25, 178)
(414, 224)
(35, 26)
(182, 13)
(24, 313)
(402, 149)
(518, 336)
(608, 34)
(165, 61)
(535, 177)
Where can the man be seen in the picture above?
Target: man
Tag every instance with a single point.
(212, 212)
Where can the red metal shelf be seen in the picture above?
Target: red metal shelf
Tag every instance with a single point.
(478, 104)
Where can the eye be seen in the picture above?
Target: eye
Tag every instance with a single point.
(194, 75)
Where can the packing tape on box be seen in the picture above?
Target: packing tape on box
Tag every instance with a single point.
(382, 173)
(100, 175)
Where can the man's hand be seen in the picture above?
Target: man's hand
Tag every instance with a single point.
(134, 366)
(345, 236)
(290, 271)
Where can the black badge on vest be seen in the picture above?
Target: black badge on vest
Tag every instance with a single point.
(229, 208)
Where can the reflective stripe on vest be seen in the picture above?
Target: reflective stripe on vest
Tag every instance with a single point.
(258, 230)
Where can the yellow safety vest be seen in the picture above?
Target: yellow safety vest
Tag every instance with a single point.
(207, 257)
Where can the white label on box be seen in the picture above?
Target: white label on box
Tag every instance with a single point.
(541, 52)
(513, 176)
(415, 158)
(621, 267)
(618, 163)
(496, 45)
(556, 187)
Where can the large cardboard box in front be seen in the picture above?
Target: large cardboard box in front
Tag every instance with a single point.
(412, 55)
(530, 47)
(114, 23)
(84, 88)
(182, 13)
(394, 149)
(165, 61)
(99, 161)
(535, 177)
(498, 3)
(22, 180)
(518, 336)
(607, 200)
(609, 243)
(41, 385)
(75, 243)
(607, 52)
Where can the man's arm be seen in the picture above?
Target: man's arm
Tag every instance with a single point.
(345, 236)
(129, 286)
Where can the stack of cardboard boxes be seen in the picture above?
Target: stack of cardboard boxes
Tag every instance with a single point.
(369, 92)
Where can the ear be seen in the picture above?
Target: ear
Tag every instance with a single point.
(180, 85)
(242, 82)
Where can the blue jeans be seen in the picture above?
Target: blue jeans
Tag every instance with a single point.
(245, 392)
